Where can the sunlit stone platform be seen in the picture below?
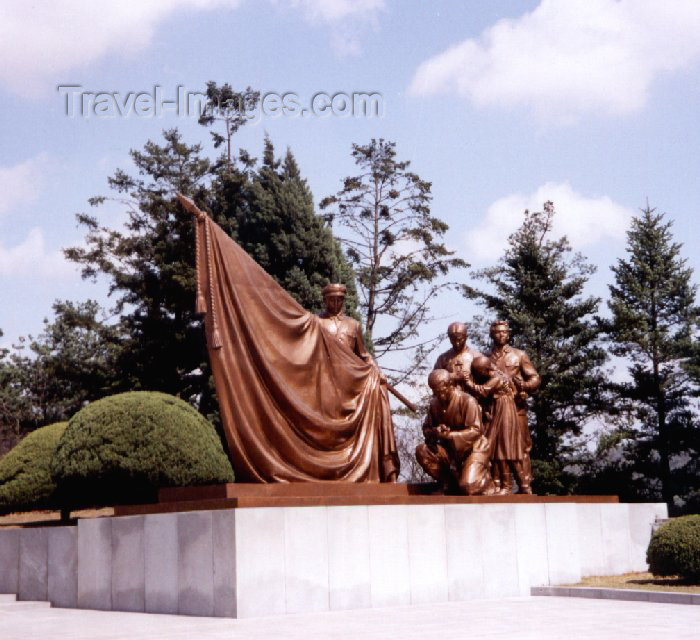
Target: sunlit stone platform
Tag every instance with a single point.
(327, 494)
(260, 550)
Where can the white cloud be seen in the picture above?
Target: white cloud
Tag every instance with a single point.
(21, 183)
(336, 10)
(346, 19)
(32, 260)
(42, 39)
(566, 59)
(584, 220)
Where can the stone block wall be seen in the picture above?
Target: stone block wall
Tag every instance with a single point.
(277, 560)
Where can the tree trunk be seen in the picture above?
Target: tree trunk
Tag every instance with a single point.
(664, 462)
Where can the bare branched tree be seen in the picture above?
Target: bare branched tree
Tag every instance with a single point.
(396, 248)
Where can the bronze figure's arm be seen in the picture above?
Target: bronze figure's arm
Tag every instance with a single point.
(361, 352)
(527, 380)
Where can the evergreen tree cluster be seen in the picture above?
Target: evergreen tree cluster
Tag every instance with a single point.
(152, 339)
(648, 441)
(267, 209)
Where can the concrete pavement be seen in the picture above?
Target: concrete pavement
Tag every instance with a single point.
(535, 618)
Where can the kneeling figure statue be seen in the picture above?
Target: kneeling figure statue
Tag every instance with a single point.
(455, 451)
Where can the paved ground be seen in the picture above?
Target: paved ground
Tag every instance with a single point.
(537, 618)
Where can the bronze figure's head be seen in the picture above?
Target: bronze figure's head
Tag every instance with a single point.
(457, 333)
(482, 367)
(500, 332)
(439, 382)
(334, 297)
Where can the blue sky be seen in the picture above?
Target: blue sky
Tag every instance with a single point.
(593, 104)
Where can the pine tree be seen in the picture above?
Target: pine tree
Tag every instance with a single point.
(150, 268)
(538, 287)
(280, 229)
(394, 245)
(232, 108)
(653, 319)
(70, 363)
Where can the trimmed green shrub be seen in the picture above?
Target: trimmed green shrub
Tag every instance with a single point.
(25, 475)
(124, 447)
(675, 548)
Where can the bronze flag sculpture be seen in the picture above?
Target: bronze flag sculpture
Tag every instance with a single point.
(297, 404)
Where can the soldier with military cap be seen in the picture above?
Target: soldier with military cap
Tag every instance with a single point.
(347, 330)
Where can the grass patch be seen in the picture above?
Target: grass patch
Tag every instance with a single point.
(642, 581)
(48, 517)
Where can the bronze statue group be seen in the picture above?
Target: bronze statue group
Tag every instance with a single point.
(477, 439)
(302, 400)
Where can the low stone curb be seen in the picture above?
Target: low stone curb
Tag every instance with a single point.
(24, 604)
(639, 595)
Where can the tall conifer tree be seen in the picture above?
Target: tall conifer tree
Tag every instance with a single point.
(538, 287)
(149, 265)
(654, 317)
(395, 246)
(279, 227)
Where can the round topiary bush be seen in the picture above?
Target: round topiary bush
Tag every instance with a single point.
(124, 447)
(25, 471)
(674, 549)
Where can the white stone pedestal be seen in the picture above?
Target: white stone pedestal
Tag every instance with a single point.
(275, 560)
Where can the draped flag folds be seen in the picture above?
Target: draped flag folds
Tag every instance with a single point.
(296, 404)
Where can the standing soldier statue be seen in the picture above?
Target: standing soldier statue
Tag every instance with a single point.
(518, 369)
(457, 360)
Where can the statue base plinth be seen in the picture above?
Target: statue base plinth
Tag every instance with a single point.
(332, 548)
(326, 494)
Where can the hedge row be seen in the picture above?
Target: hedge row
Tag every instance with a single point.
(674, 549)
(120, 449)
(25, 476)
